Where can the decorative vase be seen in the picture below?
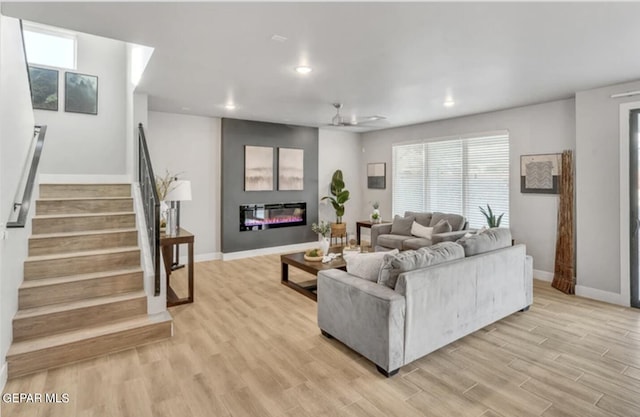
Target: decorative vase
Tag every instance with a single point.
(375, 216)
(324, 244)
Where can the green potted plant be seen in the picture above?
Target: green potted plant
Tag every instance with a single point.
(339, 196)
(492, 220)
(375, 214)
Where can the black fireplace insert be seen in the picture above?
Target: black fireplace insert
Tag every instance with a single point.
(268, 216)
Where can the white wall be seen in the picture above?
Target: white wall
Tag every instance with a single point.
(84, 143)
(542, 128)
(341, 150)
(16, 132)
(598, 191)
(190, 146)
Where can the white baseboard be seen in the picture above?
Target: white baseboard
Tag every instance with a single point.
(85, 179)
(600, 295)
(269, 251)
(3, 376)
(543, 275)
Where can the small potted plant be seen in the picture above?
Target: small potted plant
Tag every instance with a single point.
(375, 214)
(322, 229)
(492, 220)
(339, 196)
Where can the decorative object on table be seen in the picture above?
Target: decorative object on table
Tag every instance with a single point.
(492, 220)
(163, 186)
(540, 173)
(564, 270)
(313, 255)
(375, 214)
(180, 191)
(377, 175)
(339, 196)
(44, 88)
(81, 93)
(290, 169)
(323, 230)
(329, 257)
(258, 168)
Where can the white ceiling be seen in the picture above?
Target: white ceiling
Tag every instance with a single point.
(400, 60)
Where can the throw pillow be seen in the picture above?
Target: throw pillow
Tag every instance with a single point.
(491, 239)
(419, 230)
(394, 265)
(366, 265)
(401, 225)
(442, 226)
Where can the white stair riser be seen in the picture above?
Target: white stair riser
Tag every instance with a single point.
(84, 190)
(68, 244)
(27, 363)
(82, 223)
(52, 207)
(81, 265)
(79, 290)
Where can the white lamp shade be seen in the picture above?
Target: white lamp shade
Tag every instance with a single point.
(179, 191)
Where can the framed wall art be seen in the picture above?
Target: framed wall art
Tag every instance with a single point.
(540, 174)
(290, 169)
(44, 88)
(81, 93)
(377, 175)
(258, 168)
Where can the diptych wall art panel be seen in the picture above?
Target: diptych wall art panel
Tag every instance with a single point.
(258, 168)
(290, 169)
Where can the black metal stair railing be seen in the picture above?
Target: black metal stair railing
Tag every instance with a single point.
(150, 202)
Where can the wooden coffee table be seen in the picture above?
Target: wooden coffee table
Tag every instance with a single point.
(297, 260)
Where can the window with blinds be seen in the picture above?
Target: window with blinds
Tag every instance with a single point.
(456, 175)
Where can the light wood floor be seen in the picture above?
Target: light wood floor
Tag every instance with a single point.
(249, 346)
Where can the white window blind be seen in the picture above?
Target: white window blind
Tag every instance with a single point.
(456, 175)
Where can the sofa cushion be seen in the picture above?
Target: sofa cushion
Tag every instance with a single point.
(416, 243)
(366, 265)
(443, 226)
(401, 225)
(394, 265)
(456, 221)
(419, 230)
(422, 218)
(391, 241)
(491, 239)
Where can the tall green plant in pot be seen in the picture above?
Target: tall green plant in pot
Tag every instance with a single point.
(338, 196)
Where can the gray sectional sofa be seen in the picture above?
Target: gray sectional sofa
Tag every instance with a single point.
(463, 287)
(397, 235)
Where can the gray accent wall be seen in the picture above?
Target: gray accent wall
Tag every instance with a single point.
(236, 134)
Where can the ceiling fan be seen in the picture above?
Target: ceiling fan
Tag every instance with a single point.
(338, 120)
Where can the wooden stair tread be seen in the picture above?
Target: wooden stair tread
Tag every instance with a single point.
(75, 278)
(61, 339)
(123, 249)
(71, 305)
(70, 216)
(83, 198)
(82, 233)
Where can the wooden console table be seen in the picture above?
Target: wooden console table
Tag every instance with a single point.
(167, 244)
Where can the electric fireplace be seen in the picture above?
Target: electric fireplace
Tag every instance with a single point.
(269, 216)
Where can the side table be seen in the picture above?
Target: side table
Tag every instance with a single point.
(166, 247)
(367, 225)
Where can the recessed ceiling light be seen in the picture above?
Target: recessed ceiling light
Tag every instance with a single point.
(303, 69)
(279, 38)
(449, 103)
(230, 106)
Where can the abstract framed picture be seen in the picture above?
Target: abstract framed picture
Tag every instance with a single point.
(44, 88)
(81, 93)
(540, 174)
(258, 168)
(377, 175)
(290, 169)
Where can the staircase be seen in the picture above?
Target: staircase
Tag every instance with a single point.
(82, 294)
